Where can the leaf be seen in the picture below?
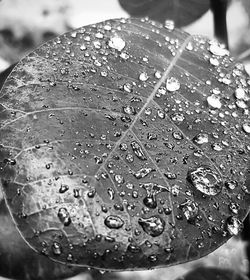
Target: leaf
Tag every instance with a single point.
(125, 145)
(18, 261)
(182, 12)
(207, 273)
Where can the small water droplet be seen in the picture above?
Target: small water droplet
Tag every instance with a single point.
(205, 180)
(234, 225)
(234, 207)
(111, 193)
(214, 101)
(231, 184)
(130, 110)
(153, 226)
(172, 84)
(190, 210)
(117, 43)
(63, 188)
(201, 138)
(143, 77)
(56, 248)
(138, 150)
(64, 216)
(246, 127)
(113, 222)
(143, 172)
(169, 24)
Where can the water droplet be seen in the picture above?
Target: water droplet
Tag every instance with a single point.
(119, 179)
(57, 248)
(234, 225)
(113, 222)
(152, 258)
(63, 188)
(128, 87)
(217, 49)
(201, 138)
(214, 61)
(246, 127)
(133, 248)
(64, 216)
(150, 201)
(143, 172)
(172, 84)
(130, 110)
(234, 207)
(111, 193)
(117, 43)
(190, 46)
(231, 184)
(240, 93)
(178, 117)
(205, 180)
(138, 150)
(169, 24)
(217, 147)
(143, 77)
(190, 210)
(153, 226)
(214, 101)
(177, 135)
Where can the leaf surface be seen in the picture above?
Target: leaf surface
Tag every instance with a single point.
(182, 12)
(125, 145)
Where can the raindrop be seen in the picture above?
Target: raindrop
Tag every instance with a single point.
(177, 135)
(172, 84)
(130, 110)
(152, 258)
(116, 43)
(190, 210)
(111, 193)
(63, 188)
(246, 127)
(150, 201)
(64, 216)
(133, 248)
(234, 225)
(113, 222)
(178, 117)
(76, 193)
(138, 150)
(143, 172)
(57, 248)
(205, 180)
(128, 87)
(201, 138)
(234, 207)
(143, 77)
(153, 226)
(214, 101)
(217, 49)
(231, 184)
(119, 179)
(169, 24)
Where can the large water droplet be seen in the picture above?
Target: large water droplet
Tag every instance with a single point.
(234, 225)
(214, 101)
(217, 49)
(138, 150)
(205, 180)
(169, 24)
(64, 216)
(172, 84)
(153, 226)
(117, 43)
(113, 222)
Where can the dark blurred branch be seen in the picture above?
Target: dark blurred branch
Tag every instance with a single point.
(219, 9)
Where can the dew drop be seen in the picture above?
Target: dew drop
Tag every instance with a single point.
(57, 248)
(231, 184)
(234, 225)
(246, 127)
(216, 49)
(64, 216)
(143, 172)
(201, 138)
(138, 150)
(205, 180)
(117, 43)
(214, 101)
(130, 110)
(172, 84)
(113, 222)
(143, 77)
(153, 226)
(169, 24)
(63, 188)
(190, 210)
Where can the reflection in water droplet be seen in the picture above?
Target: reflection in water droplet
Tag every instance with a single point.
(200, 138)
(190, 210)
(138, 150)
(56, 248)
(205, 180)
(172, 84)
(117, 43)
(153, 226)
(64, 216)
(113, 222)
(234, 225)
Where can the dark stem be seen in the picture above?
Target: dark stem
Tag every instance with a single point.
(245, 235)
(219, 9)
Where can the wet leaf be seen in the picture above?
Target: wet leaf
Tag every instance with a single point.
(208, 273)
(181, 12)
(114, 153)
(18, 261)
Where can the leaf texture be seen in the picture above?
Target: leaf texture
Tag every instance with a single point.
(125, 145)
(182, 12)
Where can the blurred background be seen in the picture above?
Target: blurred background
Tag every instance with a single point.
(25, 24)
